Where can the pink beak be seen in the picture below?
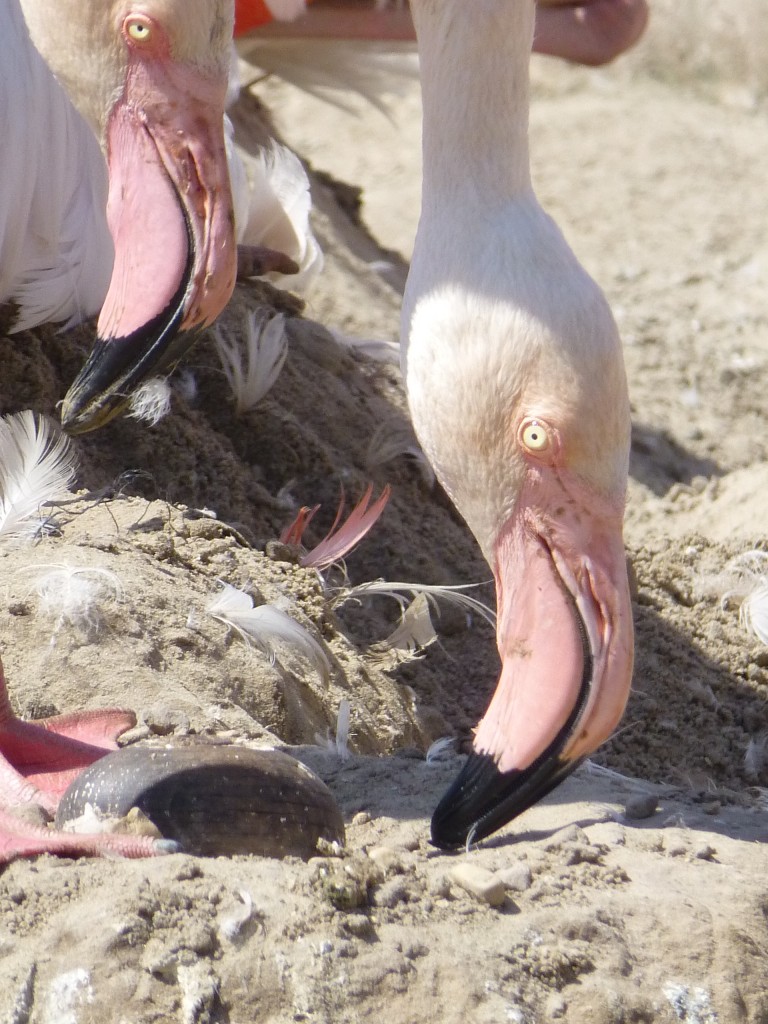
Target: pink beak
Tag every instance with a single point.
(566, 644)
(171, 217)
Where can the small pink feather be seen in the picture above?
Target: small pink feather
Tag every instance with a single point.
(339, 540)
(293, 533)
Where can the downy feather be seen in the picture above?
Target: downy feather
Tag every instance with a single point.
(253, 364)
(151, 401)
(268, 627)
(37, 466)
(273, 207)
(330, 68)
(74, 595)
(373, 348)
(415, 630)
(745, 578)
(399, 591)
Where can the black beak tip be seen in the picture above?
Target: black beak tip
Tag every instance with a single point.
(96, 396)
(115, 368)
(483, 799)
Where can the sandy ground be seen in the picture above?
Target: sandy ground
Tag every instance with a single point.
(604, 916)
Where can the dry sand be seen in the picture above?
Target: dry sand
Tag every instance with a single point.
(660, 187)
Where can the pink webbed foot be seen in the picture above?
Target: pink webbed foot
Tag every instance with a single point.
(18, 839)
(38, 760)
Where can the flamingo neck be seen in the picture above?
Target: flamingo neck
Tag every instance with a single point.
(474, 59)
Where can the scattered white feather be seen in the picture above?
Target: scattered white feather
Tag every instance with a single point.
(753, 613)
(151, 401)
(755, 754)
(438, 748)
(253, 365)
(232, 922)
(415, 631)
(274, 212)
(199, 990)
(399, 591)
(745, 578)
(343, 719)
(374, 348)
(267, 626)
(20, 1010)
(690, 1005)
(67, 994)
(338, 744)
(74, 596)
(185, 385)
(37, 466)
(391, 440)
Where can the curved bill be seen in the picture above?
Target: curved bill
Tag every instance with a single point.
(565, 639)
(171, 218)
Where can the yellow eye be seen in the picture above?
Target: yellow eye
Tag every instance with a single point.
(534, 436)
(138, 29)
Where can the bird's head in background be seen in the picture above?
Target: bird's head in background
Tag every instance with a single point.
(152, 77)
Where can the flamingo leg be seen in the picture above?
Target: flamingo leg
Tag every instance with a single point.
(38, 760)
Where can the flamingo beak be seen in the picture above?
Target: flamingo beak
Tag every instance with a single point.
(171, 217)
(565, 640)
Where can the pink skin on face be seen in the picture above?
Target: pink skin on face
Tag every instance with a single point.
(168, 178)
(560, 562)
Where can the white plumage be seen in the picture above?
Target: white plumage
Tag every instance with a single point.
(55, 249)
(37, 466)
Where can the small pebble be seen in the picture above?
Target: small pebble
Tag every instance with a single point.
(31, 814)
(361, 818)
(676, 850)
(440, 887)
(713, 807)
(138, 732)
(556, 1007)
(569, 834)
(410, 844)
(415, 949)
(386, 858)
(483, 885)
(641, 805)
(390, 893)
(516, 878)
(162, 721)
(410, 753)
(356, 924)
(705, 852)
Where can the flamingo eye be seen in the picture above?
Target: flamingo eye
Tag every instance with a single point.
(138, 28)
(534, 436)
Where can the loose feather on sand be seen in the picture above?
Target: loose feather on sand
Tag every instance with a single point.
(37, 466)
(268, 627)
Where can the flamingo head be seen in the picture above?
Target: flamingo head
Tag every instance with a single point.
(532, 444)
(151, 76)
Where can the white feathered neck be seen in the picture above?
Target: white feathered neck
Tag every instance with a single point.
(55, 249)
(498, 318)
